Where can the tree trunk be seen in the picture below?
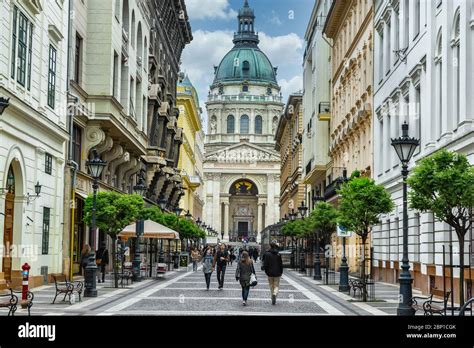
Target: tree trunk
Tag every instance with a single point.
(461, 264)
(114, 258)
(364, 283)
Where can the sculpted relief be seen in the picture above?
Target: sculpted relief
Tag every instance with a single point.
(243, 155)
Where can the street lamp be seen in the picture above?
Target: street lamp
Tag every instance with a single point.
(96, 166)
(162, 203)
(4, 103)
(405, 147)
(188, 215)
(140, 189)
(302, 209)
(30, 198)
(317, 260)
(178, 211)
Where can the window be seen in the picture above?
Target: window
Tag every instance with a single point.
(396, 43)
(269, 91)
(246, 68)
(245, 88)
(244, 124)
(221, 90)
(407, 22)
(116, 76)
(78, 59)
(230, 124)
(389, 53)
(381, 54)
(77, 145)
(418, 114)
(439, 82)
(417, 18)
(48, 164)
(45, 239)
(132, 35)
(258, 124)
(456, 69)
(52, 76)
(22, 42)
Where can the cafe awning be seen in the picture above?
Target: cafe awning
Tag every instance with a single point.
(152, 230)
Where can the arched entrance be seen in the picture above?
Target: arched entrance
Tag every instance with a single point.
(243, 208)
(8, 223)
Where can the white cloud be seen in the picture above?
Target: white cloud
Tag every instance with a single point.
(202, 9)
(295, 84)
(284, 51)
(274, 19)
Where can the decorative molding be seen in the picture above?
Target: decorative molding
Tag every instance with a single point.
(55, 33)
(94, 136)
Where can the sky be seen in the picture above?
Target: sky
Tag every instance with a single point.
(281, 25)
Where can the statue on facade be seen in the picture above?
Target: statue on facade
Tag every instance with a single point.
(274, 125)
(213, 126)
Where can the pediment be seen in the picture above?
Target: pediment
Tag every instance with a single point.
(243, 153)
(33, 6)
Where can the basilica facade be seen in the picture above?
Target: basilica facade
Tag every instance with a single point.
(241, 167)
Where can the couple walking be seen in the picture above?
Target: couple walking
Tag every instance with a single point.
(272, 265)
(209, 262)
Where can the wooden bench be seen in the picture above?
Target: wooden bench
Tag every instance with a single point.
(10, 301)
(28, 302)
(355, 285)
(430, 306)
(68, 288)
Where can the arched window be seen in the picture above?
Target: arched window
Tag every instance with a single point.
(456, 47)
(244, 124)
(139, 44)
(132, 36)
(125, 16)
(230, 124)
(439, 82)
(258, 124)
(245, 68)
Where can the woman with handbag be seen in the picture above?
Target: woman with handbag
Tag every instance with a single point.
(207, 261)
(86, 250)
(245, 274)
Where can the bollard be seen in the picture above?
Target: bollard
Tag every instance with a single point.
(26, 273)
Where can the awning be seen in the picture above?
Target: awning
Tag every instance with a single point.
(152, 230)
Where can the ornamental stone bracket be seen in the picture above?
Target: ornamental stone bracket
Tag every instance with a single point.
(164, 109)
(116, 152)
(115, 164)
(105, 146)
(94, 136)
(125, 171)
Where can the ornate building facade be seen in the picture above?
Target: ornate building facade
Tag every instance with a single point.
(123, 102)
(316, 104)
(414, 83)
(349, 25)
(190, 122)
(33, 137)
(288, 139)
(241, 167)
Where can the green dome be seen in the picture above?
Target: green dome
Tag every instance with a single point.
(245, 63)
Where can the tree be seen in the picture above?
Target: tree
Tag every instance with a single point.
(443, 183)
(324, 219)
(114, 212)
(360, 205)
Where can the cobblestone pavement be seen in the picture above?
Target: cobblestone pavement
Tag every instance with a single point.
(183, 292)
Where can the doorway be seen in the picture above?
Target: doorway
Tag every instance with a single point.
(8, 225)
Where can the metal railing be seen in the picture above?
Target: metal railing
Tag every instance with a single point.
(245, 98)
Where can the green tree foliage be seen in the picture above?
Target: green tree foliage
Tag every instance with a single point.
(323, 219)
(114, 212)
(360, 206)
(443, 183)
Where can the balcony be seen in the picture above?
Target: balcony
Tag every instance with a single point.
(324, 113)
(245, 98)
(124, 43)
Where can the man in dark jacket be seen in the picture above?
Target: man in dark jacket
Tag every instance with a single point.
(102, 260)
(221, 258)
(273, 267)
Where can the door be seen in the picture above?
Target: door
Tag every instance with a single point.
(8, 235)
(243, 228)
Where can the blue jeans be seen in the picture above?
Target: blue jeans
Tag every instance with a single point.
(220, 275)
(208, 279)
(245, 292)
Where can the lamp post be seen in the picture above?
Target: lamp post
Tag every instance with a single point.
(4, 103)
(162, 203)
(344, 267)
(317, 260)
(140, 189)
(405, 147)
(292, 217)
(96, 166)
(302, 209)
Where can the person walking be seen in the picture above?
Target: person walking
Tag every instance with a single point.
(243, 273)
(273, 267)
(102, 259)
(220, 259)
(85, 253)
(207, 268)
(195, 258)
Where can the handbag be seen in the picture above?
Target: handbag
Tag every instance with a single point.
(253, 280)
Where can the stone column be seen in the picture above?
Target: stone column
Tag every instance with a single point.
(270, 198)
(226, 220)
(216, 211)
